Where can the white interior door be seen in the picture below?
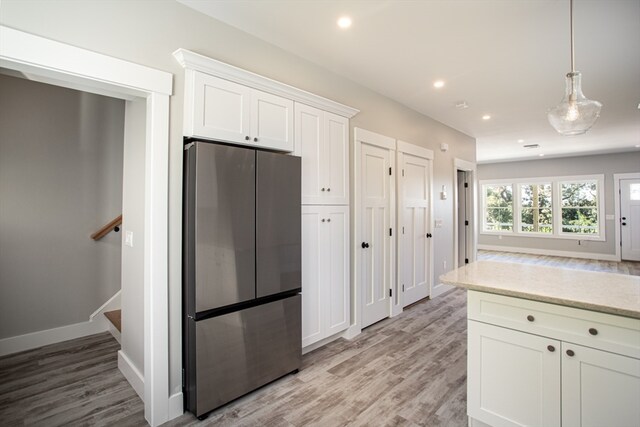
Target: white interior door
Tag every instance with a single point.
(630, 218)
(414, 199)
(376, 261)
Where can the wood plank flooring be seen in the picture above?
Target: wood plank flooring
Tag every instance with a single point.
(73, 383)
(624, 267)
(409, 370)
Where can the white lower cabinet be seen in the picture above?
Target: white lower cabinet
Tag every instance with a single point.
(599, 388)
(518, 378)
(514, 377)
(325, 272)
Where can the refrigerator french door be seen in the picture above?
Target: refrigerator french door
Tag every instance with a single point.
(241, 271)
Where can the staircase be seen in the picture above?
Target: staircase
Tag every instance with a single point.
(115, 323)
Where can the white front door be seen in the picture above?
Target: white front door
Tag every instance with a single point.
(630, 218)
(414, 220)
(375, 244)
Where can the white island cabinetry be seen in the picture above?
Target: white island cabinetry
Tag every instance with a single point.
(550, 346)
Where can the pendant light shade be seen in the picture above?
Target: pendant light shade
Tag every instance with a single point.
(575, 114)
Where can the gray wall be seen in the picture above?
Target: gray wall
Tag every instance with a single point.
(60, 180)
(607, 164)
(148, 32)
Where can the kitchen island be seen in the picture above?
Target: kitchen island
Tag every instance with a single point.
(549, 346)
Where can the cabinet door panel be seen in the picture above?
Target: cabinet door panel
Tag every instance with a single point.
(335, 164)
(337, 283)
(513, 378)
(221, 109)
(599, 388)
(271, 121)
(312, 302)
(309, 137)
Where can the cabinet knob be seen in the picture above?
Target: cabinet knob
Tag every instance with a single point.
(570, 353)
(530, 318)
(328, 219)
(551, 348)
(624, 223)
(247, 138)
(255, 139)
(323, 189)
(365, 245)
(328, 189)
(322, 219)
(593, 331)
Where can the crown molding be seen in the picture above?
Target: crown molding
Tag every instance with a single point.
(194, 61)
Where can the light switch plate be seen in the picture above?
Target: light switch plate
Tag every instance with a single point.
(610, 217)
(128, 238)
(438, 223)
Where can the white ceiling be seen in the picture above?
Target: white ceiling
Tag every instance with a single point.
(506, 58)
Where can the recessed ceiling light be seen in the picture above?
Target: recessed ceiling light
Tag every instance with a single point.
(637, 145)
(541, 154)
(344, 22)
(486, 117)
(520, 141)
(438, 84)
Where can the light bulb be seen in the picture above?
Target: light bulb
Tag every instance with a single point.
(572, 112)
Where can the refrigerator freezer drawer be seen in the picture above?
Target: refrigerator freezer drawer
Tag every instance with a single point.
(241, 351)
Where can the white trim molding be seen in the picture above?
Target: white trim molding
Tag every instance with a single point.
(531, 251)
(51, 336)
(131, 373)
(470, 168)
(194, 61)
(72, 67)
(616, 194)
(112, 304)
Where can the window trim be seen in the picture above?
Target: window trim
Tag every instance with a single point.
(556, 206)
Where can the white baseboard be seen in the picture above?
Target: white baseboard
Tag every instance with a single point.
(175, 405)
(440, 289)
(51, 336)
(131, 373)
(321, 343)
(568, 254)
(112, 304)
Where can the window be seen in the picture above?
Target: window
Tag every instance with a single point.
(498, 202)
(535, 208)
(556, 207)
(579, 207)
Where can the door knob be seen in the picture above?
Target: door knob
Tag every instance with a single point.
(429, 235)
(365, 245)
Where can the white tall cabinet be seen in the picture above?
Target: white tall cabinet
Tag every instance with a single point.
(322, 140)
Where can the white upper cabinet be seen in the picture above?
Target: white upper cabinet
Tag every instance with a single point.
(322, 140)
(227, 111)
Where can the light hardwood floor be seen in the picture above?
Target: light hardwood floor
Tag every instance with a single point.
(409, 370)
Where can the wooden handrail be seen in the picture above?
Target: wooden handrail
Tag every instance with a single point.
(107, 228)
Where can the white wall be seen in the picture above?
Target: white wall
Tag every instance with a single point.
(60, 180)
(132, 298)
(607, 164)
(148, 32)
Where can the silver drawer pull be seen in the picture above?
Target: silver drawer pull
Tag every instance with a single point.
(593, 331)
(530, 318)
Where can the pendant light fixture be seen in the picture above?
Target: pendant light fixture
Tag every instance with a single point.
(575, 114)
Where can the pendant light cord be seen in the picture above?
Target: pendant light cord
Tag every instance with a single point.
(573, 67)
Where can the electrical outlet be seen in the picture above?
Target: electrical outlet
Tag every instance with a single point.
(444, 265)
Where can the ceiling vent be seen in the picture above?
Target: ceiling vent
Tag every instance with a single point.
(531, 146)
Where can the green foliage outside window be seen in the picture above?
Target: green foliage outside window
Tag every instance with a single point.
(579, 207)
(498, 207)
(535, 212)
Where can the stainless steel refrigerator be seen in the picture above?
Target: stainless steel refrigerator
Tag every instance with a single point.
(241, 271)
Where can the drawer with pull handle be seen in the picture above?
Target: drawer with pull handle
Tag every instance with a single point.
(608, 332)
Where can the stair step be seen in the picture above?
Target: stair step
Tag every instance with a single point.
(115, 317)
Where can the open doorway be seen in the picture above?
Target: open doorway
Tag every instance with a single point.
(627, 207)
(464, 212)
(63, 65)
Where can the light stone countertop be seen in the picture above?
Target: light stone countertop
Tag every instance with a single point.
(591, 290)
